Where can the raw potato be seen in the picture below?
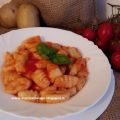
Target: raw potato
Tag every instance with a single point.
(27, 16)
(8, 15)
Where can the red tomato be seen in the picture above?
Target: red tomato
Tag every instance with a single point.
(114, 46)
(118, 35)
(101, 43)
(89, 34)
(115, 60)
(117, 31)
(78, 30)
(105, 31)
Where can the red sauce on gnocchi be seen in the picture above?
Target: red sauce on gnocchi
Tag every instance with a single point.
(50, 73)
(30, 66)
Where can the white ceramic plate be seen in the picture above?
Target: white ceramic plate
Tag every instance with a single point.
(94, 90)
(90, 114)
(96, 110)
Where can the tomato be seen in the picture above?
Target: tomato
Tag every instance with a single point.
(78, 30)
(102, 44)
(115, 60)
(118, 35)
(105, 31)
(117, 31)
(114, 46)
(89, 33)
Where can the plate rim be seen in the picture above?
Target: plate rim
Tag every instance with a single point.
(84, 109)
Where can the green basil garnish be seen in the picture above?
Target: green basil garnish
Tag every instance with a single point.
(50, 53)
(60, 59)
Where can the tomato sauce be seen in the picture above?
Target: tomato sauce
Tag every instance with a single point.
(30, 64)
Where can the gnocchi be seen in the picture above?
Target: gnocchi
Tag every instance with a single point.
(45, 71)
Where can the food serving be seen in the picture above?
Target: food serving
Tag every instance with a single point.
(44, 72)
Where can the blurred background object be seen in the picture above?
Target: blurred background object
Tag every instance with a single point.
(2, 2)
(63, 13)
(104, 10)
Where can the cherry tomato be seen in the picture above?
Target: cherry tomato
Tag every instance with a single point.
(118, 35)
(114, 46)
(89, 34)
(78, 30)
(102, 44)
(115, 60)
(105, 31)
(116, 31)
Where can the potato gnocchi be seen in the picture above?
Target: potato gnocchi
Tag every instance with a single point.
(44, 72)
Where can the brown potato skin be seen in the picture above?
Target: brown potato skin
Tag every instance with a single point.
(8, 15)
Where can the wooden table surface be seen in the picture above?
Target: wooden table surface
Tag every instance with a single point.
(113, 110)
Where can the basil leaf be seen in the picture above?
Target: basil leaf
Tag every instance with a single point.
(52, 52)
(60, 59)
(42, 49)
(45, 51)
